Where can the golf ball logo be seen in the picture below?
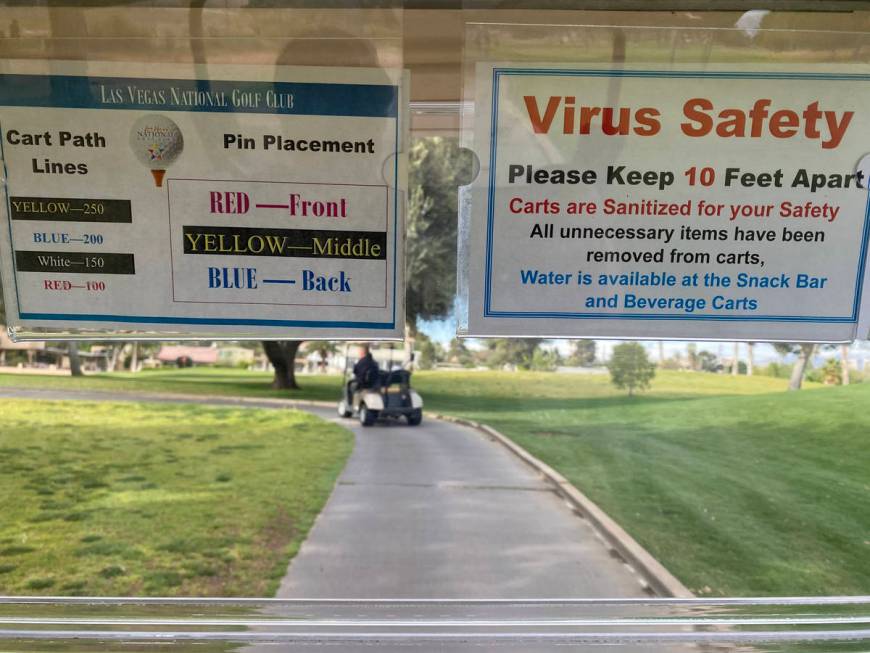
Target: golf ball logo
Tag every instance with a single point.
(157, 143)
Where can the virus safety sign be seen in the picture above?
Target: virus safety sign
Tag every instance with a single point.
(724, 203)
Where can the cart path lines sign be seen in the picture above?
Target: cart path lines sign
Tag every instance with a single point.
(261, 202)
(641, 203)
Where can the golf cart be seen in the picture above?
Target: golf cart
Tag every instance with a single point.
(382, 394)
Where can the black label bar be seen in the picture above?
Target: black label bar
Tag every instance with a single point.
(306, 243)
(69, 209)
(75, 262)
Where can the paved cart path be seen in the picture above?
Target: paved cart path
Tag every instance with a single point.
(435, 511)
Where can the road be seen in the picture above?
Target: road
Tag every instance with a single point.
(436, 511)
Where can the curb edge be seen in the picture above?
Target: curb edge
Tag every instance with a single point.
(660, 580)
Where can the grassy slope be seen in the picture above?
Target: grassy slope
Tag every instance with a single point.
(148, 499)
(737, 486)
(737, 495)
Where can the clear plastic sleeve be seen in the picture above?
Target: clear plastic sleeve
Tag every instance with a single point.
(270, 141)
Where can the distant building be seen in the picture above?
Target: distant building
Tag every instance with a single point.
(234, 356)
(39, 355)
(27, 349)
(187, 355)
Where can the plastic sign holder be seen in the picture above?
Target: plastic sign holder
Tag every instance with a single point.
(660, 199)
(160, 200)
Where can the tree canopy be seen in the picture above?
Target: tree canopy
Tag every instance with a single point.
(583, 353)
(437, 168)
(630, 368)
(519, 352)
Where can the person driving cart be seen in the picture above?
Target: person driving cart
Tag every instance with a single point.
(365, 374)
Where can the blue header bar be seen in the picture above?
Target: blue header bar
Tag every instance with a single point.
(218, 96)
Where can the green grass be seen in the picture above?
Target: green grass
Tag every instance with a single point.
(200, 381)
(161, 500)
(737, 486)
(765, 494)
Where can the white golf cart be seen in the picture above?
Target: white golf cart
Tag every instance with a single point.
(386, 395)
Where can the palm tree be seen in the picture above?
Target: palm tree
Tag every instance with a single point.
(844, 363)
(734, 368)
(324, 349)
(804, 353)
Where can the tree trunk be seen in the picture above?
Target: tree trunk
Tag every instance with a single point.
(410, 342)
(75, 363)
(734, 365)
(119, 359)
(282, 355)
(661, 352)
(800, 366)
(116, 357)
(844, 363)
(750, 358)
(134, 360)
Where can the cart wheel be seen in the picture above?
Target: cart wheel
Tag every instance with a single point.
(415, 417)
(342, 409)
(367, 417)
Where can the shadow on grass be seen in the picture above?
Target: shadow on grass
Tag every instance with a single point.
(199, 383)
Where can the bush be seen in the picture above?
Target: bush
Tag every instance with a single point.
(832, 372)
(430, 353)
(777, 370)
(545, 361)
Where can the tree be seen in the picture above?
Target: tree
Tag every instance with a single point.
(832, 372)
(431, 352)
(707, 361)
(545, 360)
(282, 355)
(804, 352)
(750, 358)
(458, 353)
(844, 363)
(519, 352)
(75, 362)
(630, 368)
(437, 167)
(692, 356)
(324, 349)
(115, 353)
(583, 353)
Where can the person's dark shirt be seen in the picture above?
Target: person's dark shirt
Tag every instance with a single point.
(364, 370)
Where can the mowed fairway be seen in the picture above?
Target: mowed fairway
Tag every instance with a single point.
(737, 486)
(157, 499)
(734, 484)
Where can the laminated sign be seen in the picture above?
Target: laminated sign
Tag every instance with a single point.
(711, 204)
(262, 201)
